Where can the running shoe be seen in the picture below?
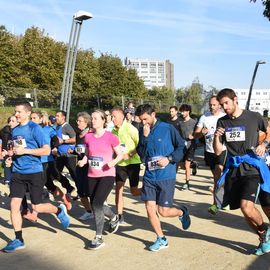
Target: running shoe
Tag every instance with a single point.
(265, 245)
(14, 245)
(114, 225)
(86, 216)
(63, 216)
(121, 220)
(194, 166)
(258, 250)
(185, 218)
(30, 215)
(186, 186)
(160, 243)
(96, 243)
(213, 209)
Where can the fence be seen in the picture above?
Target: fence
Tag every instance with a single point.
(51, 99)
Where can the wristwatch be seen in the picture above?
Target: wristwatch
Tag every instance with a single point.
(170, 158)
(266, 143)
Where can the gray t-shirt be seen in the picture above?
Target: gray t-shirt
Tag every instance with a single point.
(187, 128)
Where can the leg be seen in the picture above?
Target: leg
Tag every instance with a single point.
(119, 199)
(15, 213)
(152, 214)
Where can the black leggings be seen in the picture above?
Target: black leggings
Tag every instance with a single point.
(99, 188)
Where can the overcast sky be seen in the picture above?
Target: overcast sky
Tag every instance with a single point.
(217, 41)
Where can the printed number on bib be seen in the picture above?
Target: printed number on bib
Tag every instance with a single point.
(235, 134)
(96, 163)
(153, 163)
(19, 141)
(80, 149)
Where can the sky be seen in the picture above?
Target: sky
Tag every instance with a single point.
(216, 41)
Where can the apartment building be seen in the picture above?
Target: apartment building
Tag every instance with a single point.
(153, 72)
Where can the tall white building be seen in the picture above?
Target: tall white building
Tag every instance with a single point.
(153, 72)
(259, 102)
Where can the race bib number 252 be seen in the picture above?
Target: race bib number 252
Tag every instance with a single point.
(235, 134)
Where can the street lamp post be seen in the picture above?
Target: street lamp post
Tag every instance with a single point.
(71, 56)
(252, 82)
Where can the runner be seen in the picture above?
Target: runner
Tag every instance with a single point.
(129, 167)
(84, 123)
(187, 127)
(206, 127)
(160, 147)
(29, 146)
(239, 130)
(101, 145)
(67, 138)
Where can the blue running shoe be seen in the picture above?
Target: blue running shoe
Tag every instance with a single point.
(258, 251)
(63, 216)
(185, 218)
(160, 243)
(265, 245)
(14, 245)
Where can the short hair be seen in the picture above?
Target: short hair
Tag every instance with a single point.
(118, 109)
(38, 113)
(86, 116)
(174, 107)
(144, 108)
(27, 106)
(186, 108)
(63, 113)
(226, 92)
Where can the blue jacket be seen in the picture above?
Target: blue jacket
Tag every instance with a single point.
(164, 140)
(234, 162)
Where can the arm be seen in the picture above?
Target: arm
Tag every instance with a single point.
(119, 156)
(42, 151)
(217, 144)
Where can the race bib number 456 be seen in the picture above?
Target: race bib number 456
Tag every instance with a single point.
(235, 134)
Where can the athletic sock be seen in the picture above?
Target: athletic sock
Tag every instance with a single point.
(18, 235)
(263, 227)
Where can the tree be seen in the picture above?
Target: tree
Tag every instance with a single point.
(191, 95)
(266, 11)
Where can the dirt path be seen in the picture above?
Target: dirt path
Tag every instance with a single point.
(212, 242)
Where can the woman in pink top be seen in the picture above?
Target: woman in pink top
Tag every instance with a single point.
(103, 152)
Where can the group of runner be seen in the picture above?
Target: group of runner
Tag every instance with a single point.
(102, 154)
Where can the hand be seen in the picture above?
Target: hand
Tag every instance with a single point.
(81, 163)
(260, 149)
(8, 162)
(146, 130)
(204, 131)
(54, 151)
(126, 156)
(4, 153)
(219, 132)
(163, 162)
(190, 137)
(19, 151)
(61, 141)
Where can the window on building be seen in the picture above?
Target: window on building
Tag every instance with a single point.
(144, 65)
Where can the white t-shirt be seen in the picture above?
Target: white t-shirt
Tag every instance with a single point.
(209, 121)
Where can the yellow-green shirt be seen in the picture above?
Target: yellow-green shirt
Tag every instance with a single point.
(129, 139)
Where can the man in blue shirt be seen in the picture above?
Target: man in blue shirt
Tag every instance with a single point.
(27, 173)
(160, 147)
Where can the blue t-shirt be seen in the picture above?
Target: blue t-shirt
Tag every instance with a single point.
(29, 136)
(49, 132)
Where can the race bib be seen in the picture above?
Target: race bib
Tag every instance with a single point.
(96, 163)
(19, 141)
(123, 148)
(209, 138)
(235, 134)
(153, 163)
(80, 149)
